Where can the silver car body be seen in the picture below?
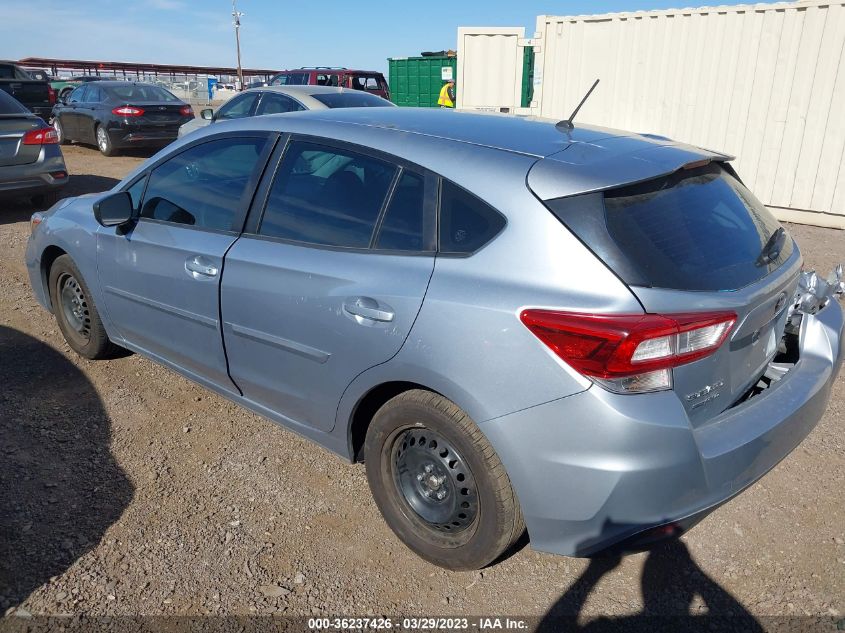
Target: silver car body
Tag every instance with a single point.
(590, 467)
(301, 94)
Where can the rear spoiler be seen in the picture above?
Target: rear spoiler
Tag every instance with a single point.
(613, 162)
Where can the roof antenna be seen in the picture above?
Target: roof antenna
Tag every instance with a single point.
(566, 124)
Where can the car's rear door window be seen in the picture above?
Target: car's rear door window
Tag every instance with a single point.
(203, 186)
(328, 79)
(326, 195)
(272, 103)
(291, 79)
(402, 226)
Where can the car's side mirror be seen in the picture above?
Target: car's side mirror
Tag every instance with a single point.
(115, 209)
(207, 114)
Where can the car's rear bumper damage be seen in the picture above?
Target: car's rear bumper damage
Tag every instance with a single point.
(606, 471)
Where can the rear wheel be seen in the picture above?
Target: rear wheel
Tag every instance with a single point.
(104, 141)
(438, 482)
(76, 313)
(60, 131)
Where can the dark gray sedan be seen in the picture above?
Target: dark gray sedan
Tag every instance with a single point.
(31, 162)
(120, 114)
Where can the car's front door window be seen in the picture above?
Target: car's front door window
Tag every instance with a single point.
(78, 95)
(204, 185)
(237, 108)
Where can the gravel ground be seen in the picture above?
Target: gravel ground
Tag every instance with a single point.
(127, 490)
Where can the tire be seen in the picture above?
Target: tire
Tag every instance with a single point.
(83, 330)
(45, 200)
(60, 131)
(104, 141)
(439, 484)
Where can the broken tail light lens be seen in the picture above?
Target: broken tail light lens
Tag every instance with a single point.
(629, 353)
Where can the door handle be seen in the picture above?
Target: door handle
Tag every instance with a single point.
(368, 308)
(200, 267)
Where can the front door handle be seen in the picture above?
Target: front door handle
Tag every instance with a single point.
(200, 267)
(368, 308)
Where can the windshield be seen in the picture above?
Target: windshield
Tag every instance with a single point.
(353, 99)
(140, 92)
(10, 105)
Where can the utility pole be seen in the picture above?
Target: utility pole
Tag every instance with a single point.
(237, 15)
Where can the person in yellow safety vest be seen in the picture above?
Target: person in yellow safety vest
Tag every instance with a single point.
(447, 95)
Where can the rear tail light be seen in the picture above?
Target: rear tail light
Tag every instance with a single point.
(41, 136)
(128, 111)
(186, 110)
(51, 94)
(629, 353)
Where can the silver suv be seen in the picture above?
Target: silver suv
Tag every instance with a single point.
(596, 335)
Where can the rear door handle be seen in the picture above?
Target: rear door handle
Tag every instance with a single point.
(368, 308)
(200, 267)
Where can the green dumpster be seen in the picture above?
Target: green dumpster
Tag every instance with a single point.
(416, 81)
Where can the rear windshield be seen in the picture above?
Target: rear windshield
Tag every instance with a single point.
(10, 105)
(136, 92)
(696, 229)
(353, 99)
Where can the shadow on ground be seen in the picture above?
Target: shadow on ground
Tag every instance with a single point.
(674, 589)
(16, 209)
(60, 486)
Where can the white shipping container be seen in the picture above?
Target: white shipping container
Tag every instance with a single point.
(764, 82)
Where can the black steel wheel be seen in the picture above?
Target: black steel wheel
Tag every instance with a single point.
(76, 312)
(74, 306)
(439, 483)
(434, 479)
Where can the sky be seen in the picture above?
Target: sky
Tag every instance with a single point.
(275, 34)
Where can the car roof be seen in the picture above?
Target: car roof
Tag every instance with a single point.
(120, 82)
(305, 94)
(473, 147)
(519, 134)
(327, 69)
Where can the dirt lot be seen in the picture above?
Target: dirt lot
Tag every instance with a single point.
(126, 489)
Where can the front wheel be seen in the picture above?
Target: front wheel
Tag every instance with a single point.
(76, 313)
(104, 141)
(439, 484)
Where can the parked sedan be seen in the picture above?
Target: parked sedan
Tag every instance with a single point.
(114, 115)
(31, 162)
(598, 335)
(281, 99)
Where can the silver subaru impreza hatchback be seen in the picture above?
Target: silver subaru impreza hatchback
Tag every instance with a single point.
(595, 335)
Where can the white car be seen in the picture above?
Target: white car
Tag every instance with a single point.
(280, 99)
